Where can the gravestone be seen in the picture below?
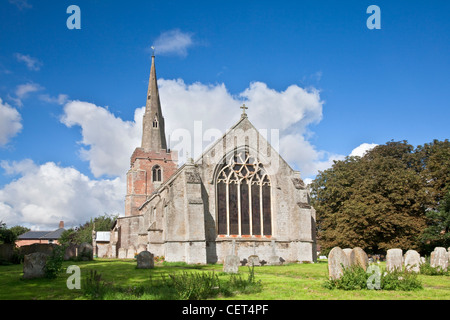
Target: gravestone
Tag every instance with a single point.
(231, 264)
(131, 252)
(145, 260)
(253, 260)
(439, 258)
(337, 261)
(359, 257)
(347, 251)
(394, 260)
(232, 261)
(274, 259)
(34, 265)
(412, 261)
(122, 253)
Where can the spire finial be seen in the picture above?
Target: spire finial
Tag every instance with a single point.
(153, 51)
(244, 114)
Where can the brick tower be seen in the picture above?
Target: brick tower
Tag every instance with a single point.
(152, 163)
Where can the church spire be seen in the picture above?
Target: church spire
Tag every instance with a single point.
(153, 135)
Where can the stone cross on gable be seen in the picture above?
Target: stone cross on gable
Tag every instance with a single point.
(244, 114)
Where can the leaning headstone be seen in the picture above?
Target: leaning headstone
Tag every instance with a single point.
(34, 265)
(439, 258)
(231, 264)
(337, 261)
(394, 260)
(358, 257)
(253, 260)
(412, 261)
(145, 260)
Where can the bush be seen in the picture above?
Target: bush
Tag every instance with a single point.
(54, 262)
(356, 278)
(427, 269)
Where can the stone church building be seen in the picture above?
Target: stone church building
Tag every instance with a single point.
(239, 197)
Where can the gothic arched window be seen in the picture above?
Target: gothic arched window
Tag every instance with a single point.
(155, 121)
(243, 197)
(156, 173)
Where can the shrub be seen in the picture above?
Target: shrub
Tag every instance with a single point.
(356, 278)
(53, 266)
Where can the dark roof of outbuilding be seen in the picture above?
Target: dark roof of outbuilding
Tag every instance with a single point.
(32, 235)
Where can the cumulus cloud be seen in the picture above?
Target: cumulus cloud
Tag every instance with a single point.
(360, 150)
(32, 64)
(109, 141)
(201, 113)
(10, 122)
(173, 42)
(60, 99)
(45, 194)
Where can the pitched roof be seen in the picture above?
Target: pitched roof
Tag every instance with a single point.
(47, 235)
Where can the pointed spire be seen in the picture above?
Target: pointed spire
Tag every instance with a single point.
(153, 135)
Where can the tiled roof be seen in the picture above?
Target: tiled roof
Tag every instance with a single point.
(32, 235)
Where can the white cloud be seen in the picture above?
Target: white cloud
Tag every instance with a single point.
(21, 4)
(32, 64)
(46, 194)
(110, 140)
(10, 122)
(23, 91)
(60, 99)
(362, 149)
(173, 42)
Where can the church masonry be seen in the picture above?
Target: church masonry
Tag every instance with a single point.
(239, 197)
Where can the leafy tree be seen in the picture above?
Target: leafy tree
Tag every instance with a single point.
(438, 231)
(375, 202)
(83, 233)
(18, 230)
(6, 235)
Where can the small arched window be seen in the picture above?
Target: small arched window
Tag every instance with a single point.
(155, 121)
(243, 197)
(156, 173)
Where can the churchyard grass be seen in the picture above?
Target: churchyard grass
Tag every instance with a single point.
(287, 282)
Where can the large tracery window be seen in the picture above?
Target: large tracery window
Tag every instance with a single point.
(243, 197)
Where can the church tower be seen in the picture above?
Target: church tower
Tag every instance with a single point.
(152, 163)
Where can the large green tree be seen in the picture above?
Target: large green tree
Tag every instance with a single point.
(376, 202)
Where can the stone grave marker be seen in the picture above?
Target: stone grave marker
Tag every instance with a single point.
(145, 260)
(253, 260)
(439, 258)
(34, 265)
(359, 257)
(337, 261)
(412, 261)
(394, 260)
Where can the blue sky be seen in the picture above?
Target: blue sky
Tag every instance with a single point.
(350, 86)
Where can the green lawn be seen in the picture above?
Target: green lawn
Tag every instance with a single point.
(288, 282)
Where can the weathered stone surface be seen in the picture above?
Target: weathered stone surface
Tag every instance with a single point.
(412, 261)
(231, 264)
(394, 259)
(347, 251)
(131, 252)
(359, 257)
(337, 261)
(253, 260)
(145, 260)
(439, 258)
(122, 253)
(34, 265)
